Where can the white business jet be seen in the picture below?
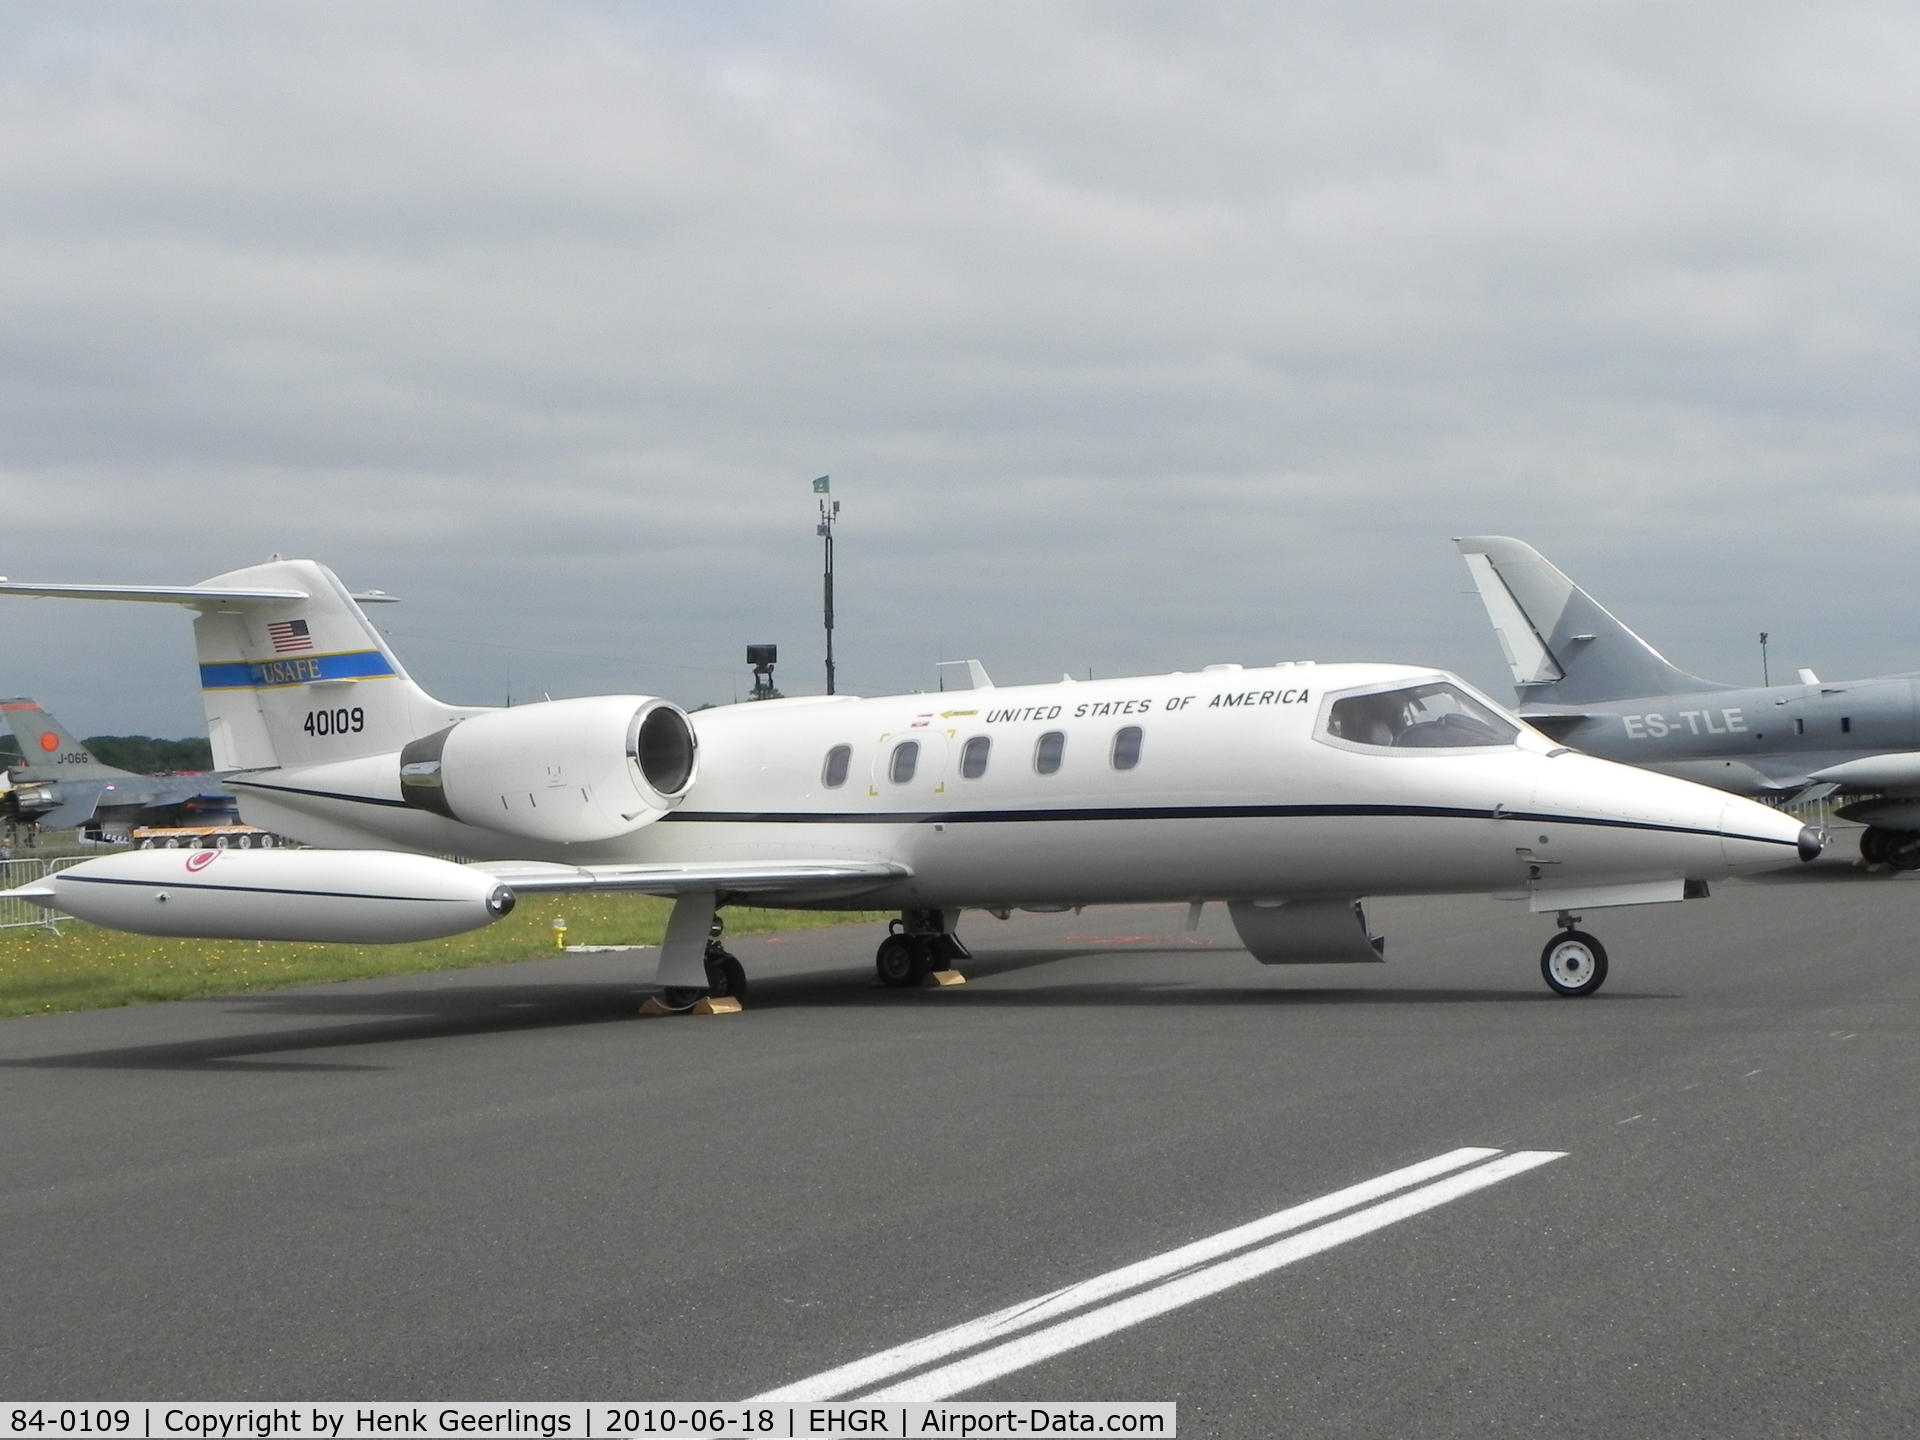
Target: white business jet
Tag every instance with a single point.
(1290, 793)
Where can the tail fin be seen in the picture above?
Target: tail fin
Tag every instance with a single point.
(1563, 646)
(306, 681)
(48, 751)
(291, 670)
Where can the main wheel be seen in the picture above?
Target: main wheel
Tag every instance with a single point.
(1900, 849)
(1574, 963)
(726, 976)
(902, 960)
(1873, 845)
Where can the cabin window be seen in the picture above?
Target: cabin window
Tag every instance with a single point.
(1846, 724)
(1436, 715)
(1046, 754)
(1799, 727)
(834, 773)
(973, 757)
(1126, 747)
(906, 755)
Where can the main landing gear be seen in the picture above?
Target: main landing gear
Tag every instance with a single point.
(1574, 963)
(921, 944)
(1898, 848)
(726, 976)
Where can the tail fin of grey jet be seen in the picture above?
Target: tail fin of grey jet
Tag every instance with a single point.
(47, 750)
(1563, 646)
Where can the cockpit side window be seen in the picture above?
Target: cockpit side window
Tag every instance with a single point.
(1435, 715)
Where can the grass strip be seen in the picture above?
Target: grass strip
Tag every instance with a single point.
(87, 968)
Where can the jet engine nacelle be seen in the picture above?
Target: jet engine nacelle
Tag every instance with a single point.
(353, 897)
(565, 771)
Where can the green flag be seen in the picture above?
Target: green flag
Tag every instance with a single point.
(821, 486)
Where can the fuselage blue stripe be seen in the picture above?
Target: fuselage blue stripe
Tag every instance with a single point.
(296, 670)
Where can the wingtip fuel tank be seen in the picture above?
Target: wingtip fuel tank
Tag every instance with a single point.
(350, 897)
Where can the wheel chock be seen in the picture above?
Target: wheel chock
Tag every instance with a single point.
(712, 1005)
(940, 978)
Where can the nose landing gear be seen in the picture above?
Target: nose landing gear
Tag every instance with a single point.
(1574, 963)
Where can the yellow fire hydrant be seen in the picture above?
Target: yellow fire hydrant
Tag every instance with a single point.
(559, 934)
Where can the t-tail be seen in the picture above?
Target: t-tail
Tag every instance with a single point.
(48, 751)
(291, 670)
(298, 682)
(1564, 647)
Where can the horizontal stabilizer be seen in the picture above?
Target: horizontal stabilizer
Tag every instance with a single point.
(210, 595)
(73, 814)
(532, 877)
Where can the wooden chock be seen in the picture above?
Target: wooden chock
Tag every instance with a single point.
(712, 1005)
(944, 977)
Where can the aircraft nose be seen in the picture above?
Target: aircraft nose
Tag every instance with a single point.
(1811, 843)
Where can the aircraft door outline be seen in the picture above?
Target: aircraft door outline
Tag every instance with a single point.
(929, 775)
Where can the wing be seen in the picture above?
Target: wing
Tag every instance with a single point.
(813, 879)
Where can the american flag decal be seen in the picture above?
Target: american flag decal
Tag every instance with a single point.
(289, 635)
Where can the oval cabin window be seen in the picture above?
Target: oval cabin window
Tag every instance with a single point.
(834, 773)
(973, 757)
(1047, 754)
(1126, 748)
(906, 755)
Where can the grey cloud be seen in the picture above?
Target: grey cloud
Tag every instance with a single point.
(1135, 336)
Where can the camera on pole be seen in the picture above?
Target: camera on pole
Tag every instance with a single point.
(762, 658)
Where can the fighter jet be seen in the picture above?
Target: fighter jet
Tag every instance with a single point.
(1590, 682)
(63, 786)
(1290, 792)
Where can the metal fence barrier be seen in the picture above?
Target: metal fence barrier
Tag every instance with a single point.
(24, 914)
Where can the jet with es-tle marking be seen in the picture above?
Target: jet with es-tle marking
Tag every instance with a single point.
(1590, 682)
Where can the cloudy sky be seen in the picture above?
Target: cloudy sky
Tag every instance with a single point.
(1135, 337)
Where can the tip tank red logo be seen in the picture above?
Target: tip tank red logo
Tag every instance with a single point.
(200, 859)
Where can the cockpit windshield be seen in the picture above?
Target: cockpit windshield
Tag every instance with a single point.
(1434, 715)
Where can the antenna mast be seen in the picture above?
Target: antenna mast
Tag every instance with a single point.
(829, 512)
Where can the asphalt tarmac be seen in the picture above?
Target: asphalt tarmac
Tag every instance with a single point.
(501, 1184)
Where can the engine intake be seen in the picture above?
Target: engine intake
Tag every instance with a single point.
(566, 771)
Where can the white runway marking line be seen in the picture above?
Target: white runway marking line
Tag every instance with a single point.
(1177, 1267)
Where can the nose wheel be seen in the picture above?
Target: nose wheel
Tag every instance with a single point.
(1574, 963)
